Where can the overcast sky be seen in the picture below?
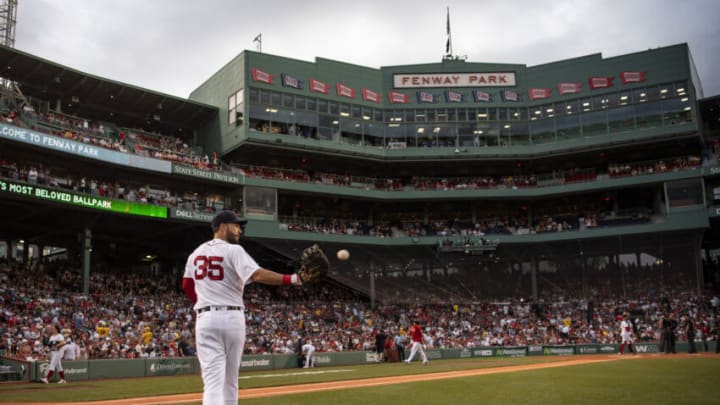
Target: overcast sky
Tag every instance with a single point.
(173, 46)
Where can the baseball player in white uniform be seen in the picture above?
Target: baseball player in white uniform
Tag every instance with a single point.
(626, 334)
(215, 276)
(56, 344)
(309, 351)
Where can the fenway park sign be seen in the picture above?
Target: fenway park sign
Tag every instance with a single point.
(454, 80)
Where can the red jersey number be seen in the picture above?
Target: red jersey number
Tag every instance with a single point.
(209, 267)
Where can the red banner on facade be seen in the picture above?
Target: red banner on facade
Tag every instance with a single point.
(318, 86)
(261, 76)
(345, 91)
(399, 98)
(369, 95)
(535, 93)
(569, 88)
(600, 82)
(632, 77)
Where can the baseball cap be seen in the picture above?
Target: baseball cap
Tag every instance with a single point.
(226, 217)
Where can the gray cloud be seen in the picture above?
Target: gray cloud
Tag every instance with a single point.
(172, 46)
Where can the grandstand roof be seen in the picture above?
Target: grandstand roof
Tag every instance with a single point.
(102, 99)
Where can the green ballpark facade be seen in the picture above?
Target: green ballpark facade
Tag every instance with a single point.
(453, 111)
(481, 109)
(451, 118)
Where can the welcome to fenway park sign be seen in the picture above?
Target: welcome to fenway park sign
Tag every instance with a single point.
(453, 80)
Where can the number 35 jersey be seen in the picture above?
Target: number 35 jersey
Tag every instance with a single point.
(220, 271)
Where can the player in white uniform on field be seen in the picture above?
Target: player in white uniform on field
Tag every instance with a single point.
(309, 351)
(626, 334)
(215, 276)
(56, 344)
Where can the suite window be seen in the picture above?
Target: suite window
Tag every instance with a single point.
(253, 96)
(378, 115)
(322, 106)
(451, 114)
(299, 103)
(410, 116)
(344, 110)
(355, 112)
(235, 107)
(462, 114)
(264, 97)
(431, 115)
(275, 98)
(684, 193)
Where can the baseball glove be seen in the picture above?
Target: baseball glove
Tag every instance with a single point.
(314, 265)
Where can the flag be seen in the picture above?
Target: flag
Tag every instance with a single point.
(536, 93)
(369, 95)
(453, 97)
(482, 95)
(318, 86)
(425, 97)
(600, 82)
(568, 88)
(398, 98)
(258, 38)
(291, 81)
(345, 91)
(262, 76)
(509, 95)
(632, 77)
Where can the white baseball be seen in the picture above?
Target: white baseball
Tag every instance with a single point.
(343, 254)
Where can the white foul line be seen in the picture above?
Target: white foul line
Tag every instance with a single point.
(248, 377)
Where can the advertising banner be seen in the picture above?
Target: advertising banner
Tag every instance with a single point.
(81, 200)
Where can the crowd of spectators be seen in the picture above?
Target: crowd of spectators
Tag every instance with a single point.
(109, 136)
(490, 224)
(517, 223)
(35, 173)
(515, 181)
(174, 149)
(660, 166)
(135, 315)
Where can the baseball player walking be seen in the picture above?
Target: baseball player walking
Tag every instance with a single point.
(215, 277)
(56, 344)
(309, 351)
(626, 334)
(417, 341)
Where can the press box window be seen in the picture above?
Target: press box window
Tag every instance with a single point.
(235, 108)
(684, 193)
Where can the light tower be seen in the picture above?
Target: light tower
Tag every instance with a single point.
(8, 19)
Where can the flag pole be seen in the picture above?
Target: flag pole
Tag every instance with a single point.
(448, 44)
(258, 40)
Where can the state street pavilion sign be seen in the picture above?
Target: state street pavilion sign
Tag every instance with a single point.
(419, 80)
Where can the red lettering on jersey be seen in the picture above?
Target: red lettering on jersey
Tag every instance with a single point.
(209, 267)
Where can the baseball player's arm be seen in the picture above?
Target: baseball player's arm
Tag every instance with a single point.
(269, 277)
(188, 286)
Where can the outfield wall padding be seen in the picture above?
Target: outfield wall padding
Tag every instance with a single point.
(122, 368)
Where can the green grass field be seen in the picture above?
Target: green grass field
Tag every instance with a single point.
(647, 380)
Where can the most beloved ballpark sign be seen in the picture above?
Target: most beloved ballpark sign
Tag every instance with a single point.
(453, 80)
